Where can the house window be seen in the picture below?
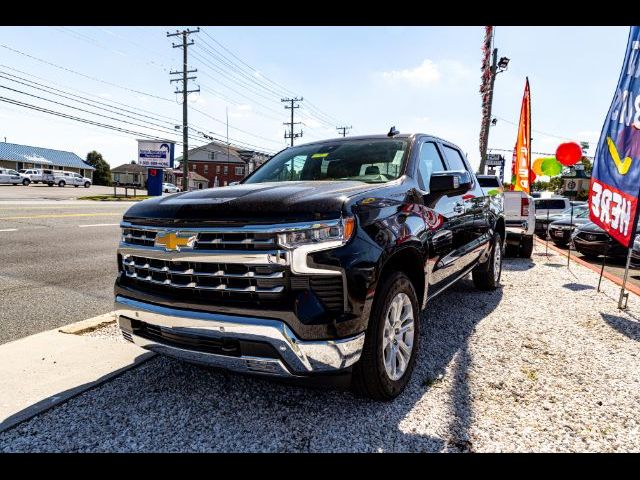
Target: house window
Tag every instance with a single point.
(239, 170)
(206, 168)
(226, 169)
(217, 168)
(212, 155)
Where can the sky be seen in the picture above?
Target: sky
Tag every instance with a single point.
(418, 79)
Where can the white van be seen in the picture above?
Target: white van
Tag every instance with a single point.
(551, 205)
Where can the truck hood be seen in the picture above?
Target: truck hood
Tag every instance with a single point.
(279, 202)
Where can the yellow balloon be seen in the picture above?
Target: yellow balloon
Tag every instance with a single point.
(537, 166)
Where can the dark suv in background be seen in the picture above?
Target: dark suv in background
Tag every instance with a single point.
(319, 263)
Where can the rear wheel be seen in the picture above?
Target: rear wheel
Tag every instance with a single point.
(61, 183)
(26, 182)
(526, 246)
(50, 184)
(391, 341)
(87, 184)
(486, 276)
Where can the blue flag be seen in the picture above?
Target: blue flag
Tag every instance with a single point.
(615, 180)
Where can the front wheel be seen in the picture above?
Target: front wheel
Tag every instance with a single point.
(87, 184)
(61, 183)
(486, 276)
(391, 341)
(26, 182)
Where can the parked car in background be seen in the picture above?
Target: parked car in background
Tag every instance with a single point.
(635, 253)
(519, 219)
(34, 174)
(543, 221)
(548, 206)
(169, 188)
(62, 178)
(560, 230)
(11, 177)
(592, 241)
(323, 274)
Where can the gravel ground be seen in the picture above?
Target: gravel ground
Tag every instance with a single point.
(543, 364)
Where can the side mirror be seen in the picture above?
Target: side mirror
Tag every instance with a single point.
(450, 183)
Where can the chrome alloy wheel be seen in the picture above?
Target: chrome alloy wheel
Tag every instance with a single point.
(397, 340)
(497, 261)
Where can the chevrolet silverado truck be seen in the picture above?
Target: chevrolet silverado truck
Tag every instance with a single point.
(317, 264)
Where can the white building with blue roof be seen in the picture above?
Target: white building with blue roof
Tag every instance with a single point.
(17, 157)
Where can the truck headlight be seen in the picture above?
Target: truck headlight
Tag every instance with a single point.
(319, 233)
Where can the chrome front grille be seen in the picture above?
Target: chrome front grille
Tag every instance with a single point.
(235, 241)
(205, 276)
(138, 236)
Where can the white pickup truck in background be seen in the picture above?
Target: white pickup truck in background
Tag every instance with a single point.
(519, 215)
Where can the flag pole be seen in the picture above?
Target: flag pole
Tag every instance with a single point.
(570, 225)
(624, 296)
(604, 259)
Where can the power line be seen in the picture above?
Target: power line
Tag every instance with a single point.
(86, 76)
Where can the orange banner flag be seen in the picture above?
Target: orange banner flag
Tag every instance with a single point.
(521, 164)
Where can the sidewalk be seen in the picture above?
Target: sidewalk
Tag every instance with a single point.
(46, 369)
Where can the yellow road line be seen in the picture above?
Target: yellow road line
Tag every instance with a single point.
(62, 215)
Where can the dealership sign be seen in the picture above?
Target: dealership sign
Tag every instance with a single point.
(615, 180)
(155, 153)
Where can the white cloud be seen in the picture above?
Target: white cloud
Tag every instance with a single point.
(427, 73)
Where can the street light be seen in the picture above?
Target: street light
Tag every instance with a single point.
(503, 63)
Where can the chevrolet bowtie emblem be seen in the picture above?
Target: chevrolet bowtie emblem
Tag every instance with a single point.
(175, 240)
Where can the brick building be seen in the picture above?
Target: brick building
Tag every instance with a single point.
(222, 165)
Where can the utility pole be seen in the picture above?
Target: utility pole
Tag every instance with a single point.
(344, 130)
(497, 66)
(292, 135)
(185, 92)
(227, 110)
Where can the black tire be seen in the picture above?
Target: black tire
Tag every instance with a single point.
(26, 182)
(526, 246)
(87, 184)
(486, 276)
(76, 186)
(50, 184)
(61, 183)
(370, 378)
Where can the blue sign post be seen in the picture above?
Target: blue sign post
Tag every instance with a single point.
(157, 155)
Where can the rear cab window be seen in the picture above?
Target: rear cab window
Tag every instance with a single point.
(550, 204)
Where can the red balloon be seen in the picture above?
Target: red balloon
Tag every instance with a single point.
(569, 153)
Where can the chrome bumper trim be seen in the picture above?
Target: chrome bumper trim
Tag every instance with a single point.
(299, 357)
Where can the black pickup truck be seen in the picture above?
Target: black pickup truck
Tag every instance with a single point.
(317, 264)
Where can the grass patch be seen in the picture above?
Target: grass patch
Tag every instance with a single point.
(531, 374)
(118, 198)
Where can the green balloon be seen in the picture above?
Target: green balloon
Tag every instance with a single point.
(551, 167)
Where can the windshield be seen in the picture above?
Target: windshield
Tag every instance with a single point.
(576, 210)
(369, 161)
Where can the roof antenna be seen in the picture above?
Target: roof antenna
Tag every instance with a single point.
(393, 132)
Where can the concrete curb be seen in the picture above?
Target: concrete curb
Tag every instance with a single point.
(44, 370)
(90, 324)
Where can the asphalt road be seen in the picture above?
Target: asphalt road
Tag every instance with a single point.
(58, 261)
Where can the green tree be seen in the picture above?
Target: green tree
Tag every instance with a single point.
(102, 174)
(588, 166)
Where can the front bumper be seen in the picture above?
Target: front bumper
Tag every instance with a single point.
(242, 344)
